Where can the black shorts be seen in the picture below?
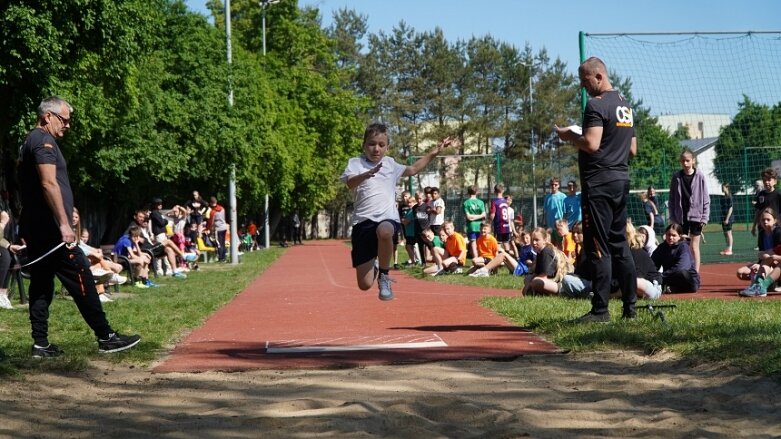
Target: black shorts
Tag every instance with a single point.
(691, 228)
(726, 227)
(504, 238)
(436, 229)
(364, 240)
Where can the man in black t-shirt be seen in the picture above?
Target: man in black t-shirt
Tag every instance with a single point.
(604, 149)
(45, 225)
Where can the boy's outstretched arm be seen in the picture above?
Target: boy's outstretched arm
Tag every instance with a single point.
(422, 162)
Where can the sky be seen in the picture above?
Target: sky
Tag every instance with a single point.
(553, 24)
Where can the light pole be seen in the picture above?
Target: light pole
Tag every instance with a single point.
(232, 180)
(533, 148)
(263, 5)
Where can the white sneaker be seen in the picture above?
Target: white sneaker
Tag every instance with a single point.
(117, 279)
(480, 272)
(160, 272)
(104, 298)
(5, 302)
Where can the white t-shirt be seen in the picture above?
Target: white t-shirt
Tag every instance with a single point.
(436, 219)
(375, 198)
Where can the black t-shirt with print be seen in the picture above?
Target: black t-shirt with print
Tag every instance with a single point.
(611, 162)
(37, 223)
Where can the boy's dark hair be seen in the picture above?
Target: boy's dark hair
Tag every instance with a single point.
(472, 190)
(134, 232)
(769, 173)
(499, 188)
(374, 129)
(434, 189)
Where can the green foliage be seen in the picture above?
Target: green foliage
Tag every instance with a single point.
(755, 126)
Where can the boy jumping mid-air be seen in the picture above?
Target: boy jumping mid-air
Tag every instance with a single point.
(372, 179)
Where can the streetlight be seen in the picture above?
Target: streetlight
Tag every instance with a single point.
(533, 148)
(263, 5)
(232, 180)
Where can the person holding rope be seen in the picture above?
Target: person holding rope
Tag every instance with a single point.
(45, 225)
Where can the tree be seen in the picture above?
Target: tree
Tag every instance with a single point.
(740, 156)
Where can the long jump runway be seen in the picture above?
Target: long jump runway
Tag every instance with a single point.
(306, 311)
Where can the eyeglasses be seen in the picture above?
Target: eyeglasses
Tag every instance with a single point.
(62, 119)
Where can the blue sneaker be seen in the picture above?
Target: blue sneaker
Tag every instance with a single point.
(384, 282)
(754, 290)
(179, 275)
(150, 284)
(190, 257)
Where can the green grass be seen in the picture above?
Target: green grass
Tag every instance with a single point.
(160, 315)
(745, 334)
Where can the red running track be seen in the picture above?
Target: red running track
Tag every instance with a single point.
(309, 300)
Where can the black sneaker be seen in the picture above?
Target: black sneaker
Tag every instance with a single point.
(117, 343)
(629, 315)
(51, 351)
(592, 318)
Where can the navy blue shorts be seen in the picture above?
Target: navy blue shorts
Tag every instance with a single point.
(364, 240)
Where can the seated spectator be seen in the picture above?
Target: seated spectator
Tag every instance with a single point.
(650, 238)
(760, 272)
(455, 250)
(103, 271)
(649, 280)
(171, 249)
(129, 246)
(517, 267)
(679, 274)
(567, 244)
(550, 266)
(577, 285)
(436, 250)
(487, 249)
(6, 249)
(252, 231)
(148, 244)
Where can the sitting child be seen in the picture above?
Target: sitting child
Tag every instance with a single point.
(548, 270)
(129, 246)
(517, 267)
(679, 274)
(487, 249)
(760, 273)
(649, 279)
(455, 250)
(567, 245)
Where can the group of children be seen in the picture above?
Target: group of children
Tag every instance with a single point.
(550, 267)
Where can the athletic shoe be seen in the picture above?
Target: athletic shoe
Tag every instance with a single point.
(51, 351)
(629, 315)
(102, 276)
(140, 284)
(754, 290)
(5, 302)
(480, 272)
(159, 272)
(179, 275)
(458, 270)
(117, 343)
(190, 257)
(104, 298)
(440, 272)
(592, 318)
(395, 266)
(150, 284)
(384, 282)
(117, 279)
(726, 252)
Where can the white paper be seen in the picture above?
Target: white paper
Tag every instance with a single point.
(575, 129)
